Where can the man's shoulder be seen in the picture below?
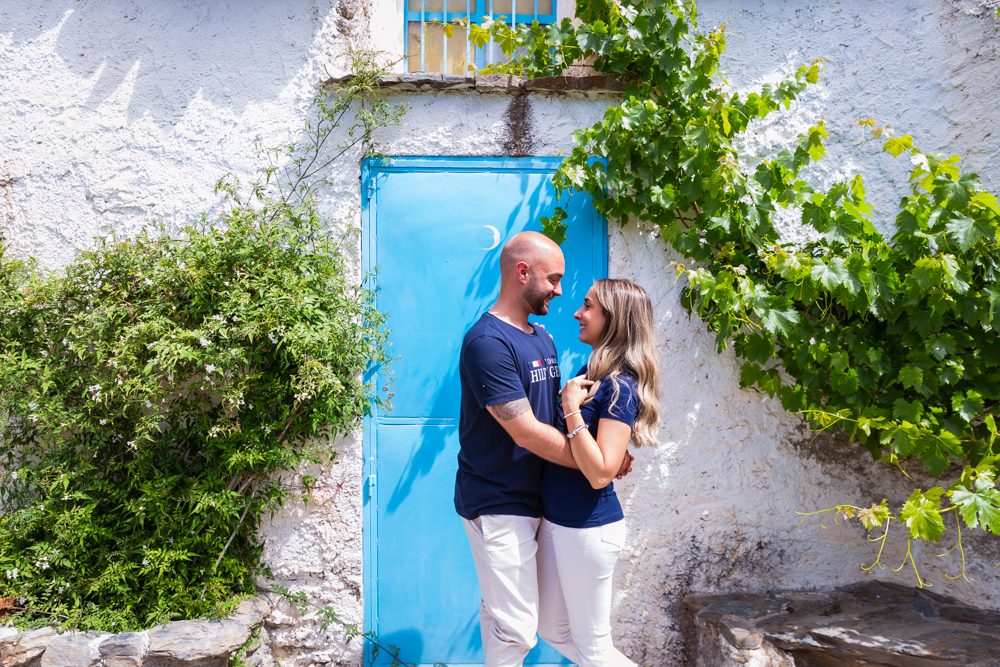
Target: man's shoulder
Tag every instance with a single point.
(484, 327)
(485, 337)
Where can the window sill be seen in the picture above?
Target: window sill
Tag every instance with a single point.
(498, 83)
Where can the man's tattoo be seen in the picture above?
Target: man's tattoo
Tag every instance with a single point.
(506, 411)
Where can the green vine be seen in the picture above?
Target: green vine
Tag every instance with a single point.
(891, 339)
(152, 392)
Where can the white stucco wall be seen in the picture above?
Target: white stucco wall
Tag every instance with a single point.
(112, 115)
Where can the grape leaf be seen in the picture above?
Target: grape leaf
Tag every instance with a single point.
(830, 275)
(922, 514)
(987, 200)
(969, 406)
(911, 376)
(966, 231)
(955, 193)
(979, 505)
(940, 346)
(897, 145)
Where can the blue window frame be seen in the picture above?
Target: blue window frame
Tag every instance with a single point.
(427, 49)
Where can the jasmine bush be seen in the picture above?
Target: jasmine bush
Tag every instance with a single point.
(150, 392)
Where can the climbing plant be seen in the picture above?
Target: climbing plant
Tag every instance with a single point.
(153, 390)
(892, 339)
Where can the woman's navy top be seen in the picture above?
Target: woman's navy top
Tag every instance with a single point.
(568, 499)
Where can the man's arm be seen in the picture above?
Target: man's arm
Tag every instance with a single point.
(541, 439)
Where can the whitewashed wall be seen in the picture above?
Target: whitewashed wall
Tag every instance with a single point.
(112, 115)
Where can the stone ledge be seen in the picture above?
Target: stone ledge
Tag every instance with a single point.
(504, 83)
(873, 623)
(198, 643)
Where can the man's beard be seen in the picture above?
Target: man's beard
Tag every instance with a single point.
(536, 298)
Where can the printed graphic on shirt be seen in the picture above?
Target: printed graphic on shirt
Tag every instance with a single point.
(544, 369)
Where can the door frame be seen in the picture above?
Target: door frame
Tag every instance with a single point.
(371, 170)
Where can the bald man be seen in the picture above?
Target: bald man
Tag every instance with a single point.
(510, 386)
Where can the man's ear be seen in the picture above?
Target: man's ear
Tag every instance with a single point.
(523, 272)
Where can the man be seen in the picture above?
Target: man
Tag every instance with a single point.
(510, 386)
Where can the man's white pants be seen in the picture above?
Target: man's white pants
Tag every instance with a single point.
(504, 549)
(575, 568)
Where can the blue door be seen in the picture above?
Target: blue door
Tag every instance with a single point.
(434, 228)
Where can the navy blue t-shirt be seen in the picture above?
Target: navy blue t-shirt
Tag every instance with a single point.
(500, 363)
(568, 499)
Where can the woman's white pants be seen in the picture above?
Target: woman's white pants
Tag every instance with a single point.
(575, 568)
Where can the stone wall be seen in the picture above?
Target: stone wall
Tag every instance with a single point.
(113, 115)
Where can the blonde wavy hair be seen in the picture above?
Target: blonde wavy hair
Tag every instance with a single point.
(627, 348)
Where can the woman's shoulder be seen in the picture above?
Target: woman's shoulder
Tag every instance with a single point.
(625, 382)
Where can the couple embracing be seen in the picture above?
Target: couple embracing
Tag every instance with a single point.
(534, 484)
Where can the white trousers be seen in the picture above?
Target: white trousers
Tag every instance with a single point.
(504, 549)
(575, 568)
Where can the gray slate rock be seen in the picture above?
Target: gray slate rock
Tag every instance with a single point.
(873, 623)
(125, 650)
(191, 641)
(739, 635)
(25, 647)
(251, 612)
(72, 649)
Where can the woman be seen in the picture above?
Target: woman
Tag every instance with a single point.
(613, 399)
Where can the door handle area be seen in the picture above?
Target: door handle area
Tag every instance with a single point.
(370, 486)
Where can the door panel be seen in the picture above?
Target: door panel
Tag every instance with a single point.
(434, 229)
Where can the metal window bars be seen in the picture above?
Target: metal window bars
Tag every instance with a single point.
(428, 49)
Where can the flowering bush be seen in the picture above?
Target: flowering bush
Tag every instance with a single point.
(149, 393)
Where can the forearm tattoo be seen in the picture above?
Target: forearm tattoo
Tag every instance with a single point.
(506, 411)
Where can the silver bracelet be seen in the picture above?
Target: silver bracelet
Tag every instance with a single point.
(571, 414)
(577, 430)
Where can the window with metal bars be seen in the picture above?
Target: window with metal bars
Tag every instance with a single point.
(428, 49)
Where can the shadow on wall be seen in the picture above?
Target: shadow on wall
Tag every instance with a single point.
(230, 54)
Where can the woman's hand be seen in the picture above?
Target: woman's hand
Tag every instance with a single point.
(574, 393)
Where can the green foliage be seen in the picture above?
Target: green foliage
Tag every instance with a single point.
(891, 339)
(152, 391)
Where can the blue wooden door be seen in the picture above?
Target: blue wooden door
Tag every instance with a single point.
(434, 228)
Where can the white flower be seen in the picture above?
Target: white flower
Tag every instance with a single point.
(205, 342)
(44, 353)
(142, 507)
(131, 443)
(812, 341)
(61, 588)
(209, 368)
(103, 422)
(148, 281)
(12, 574)
(119, 381)
(144, 546)
(214, 431)
(113, 363)
(65, 497)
